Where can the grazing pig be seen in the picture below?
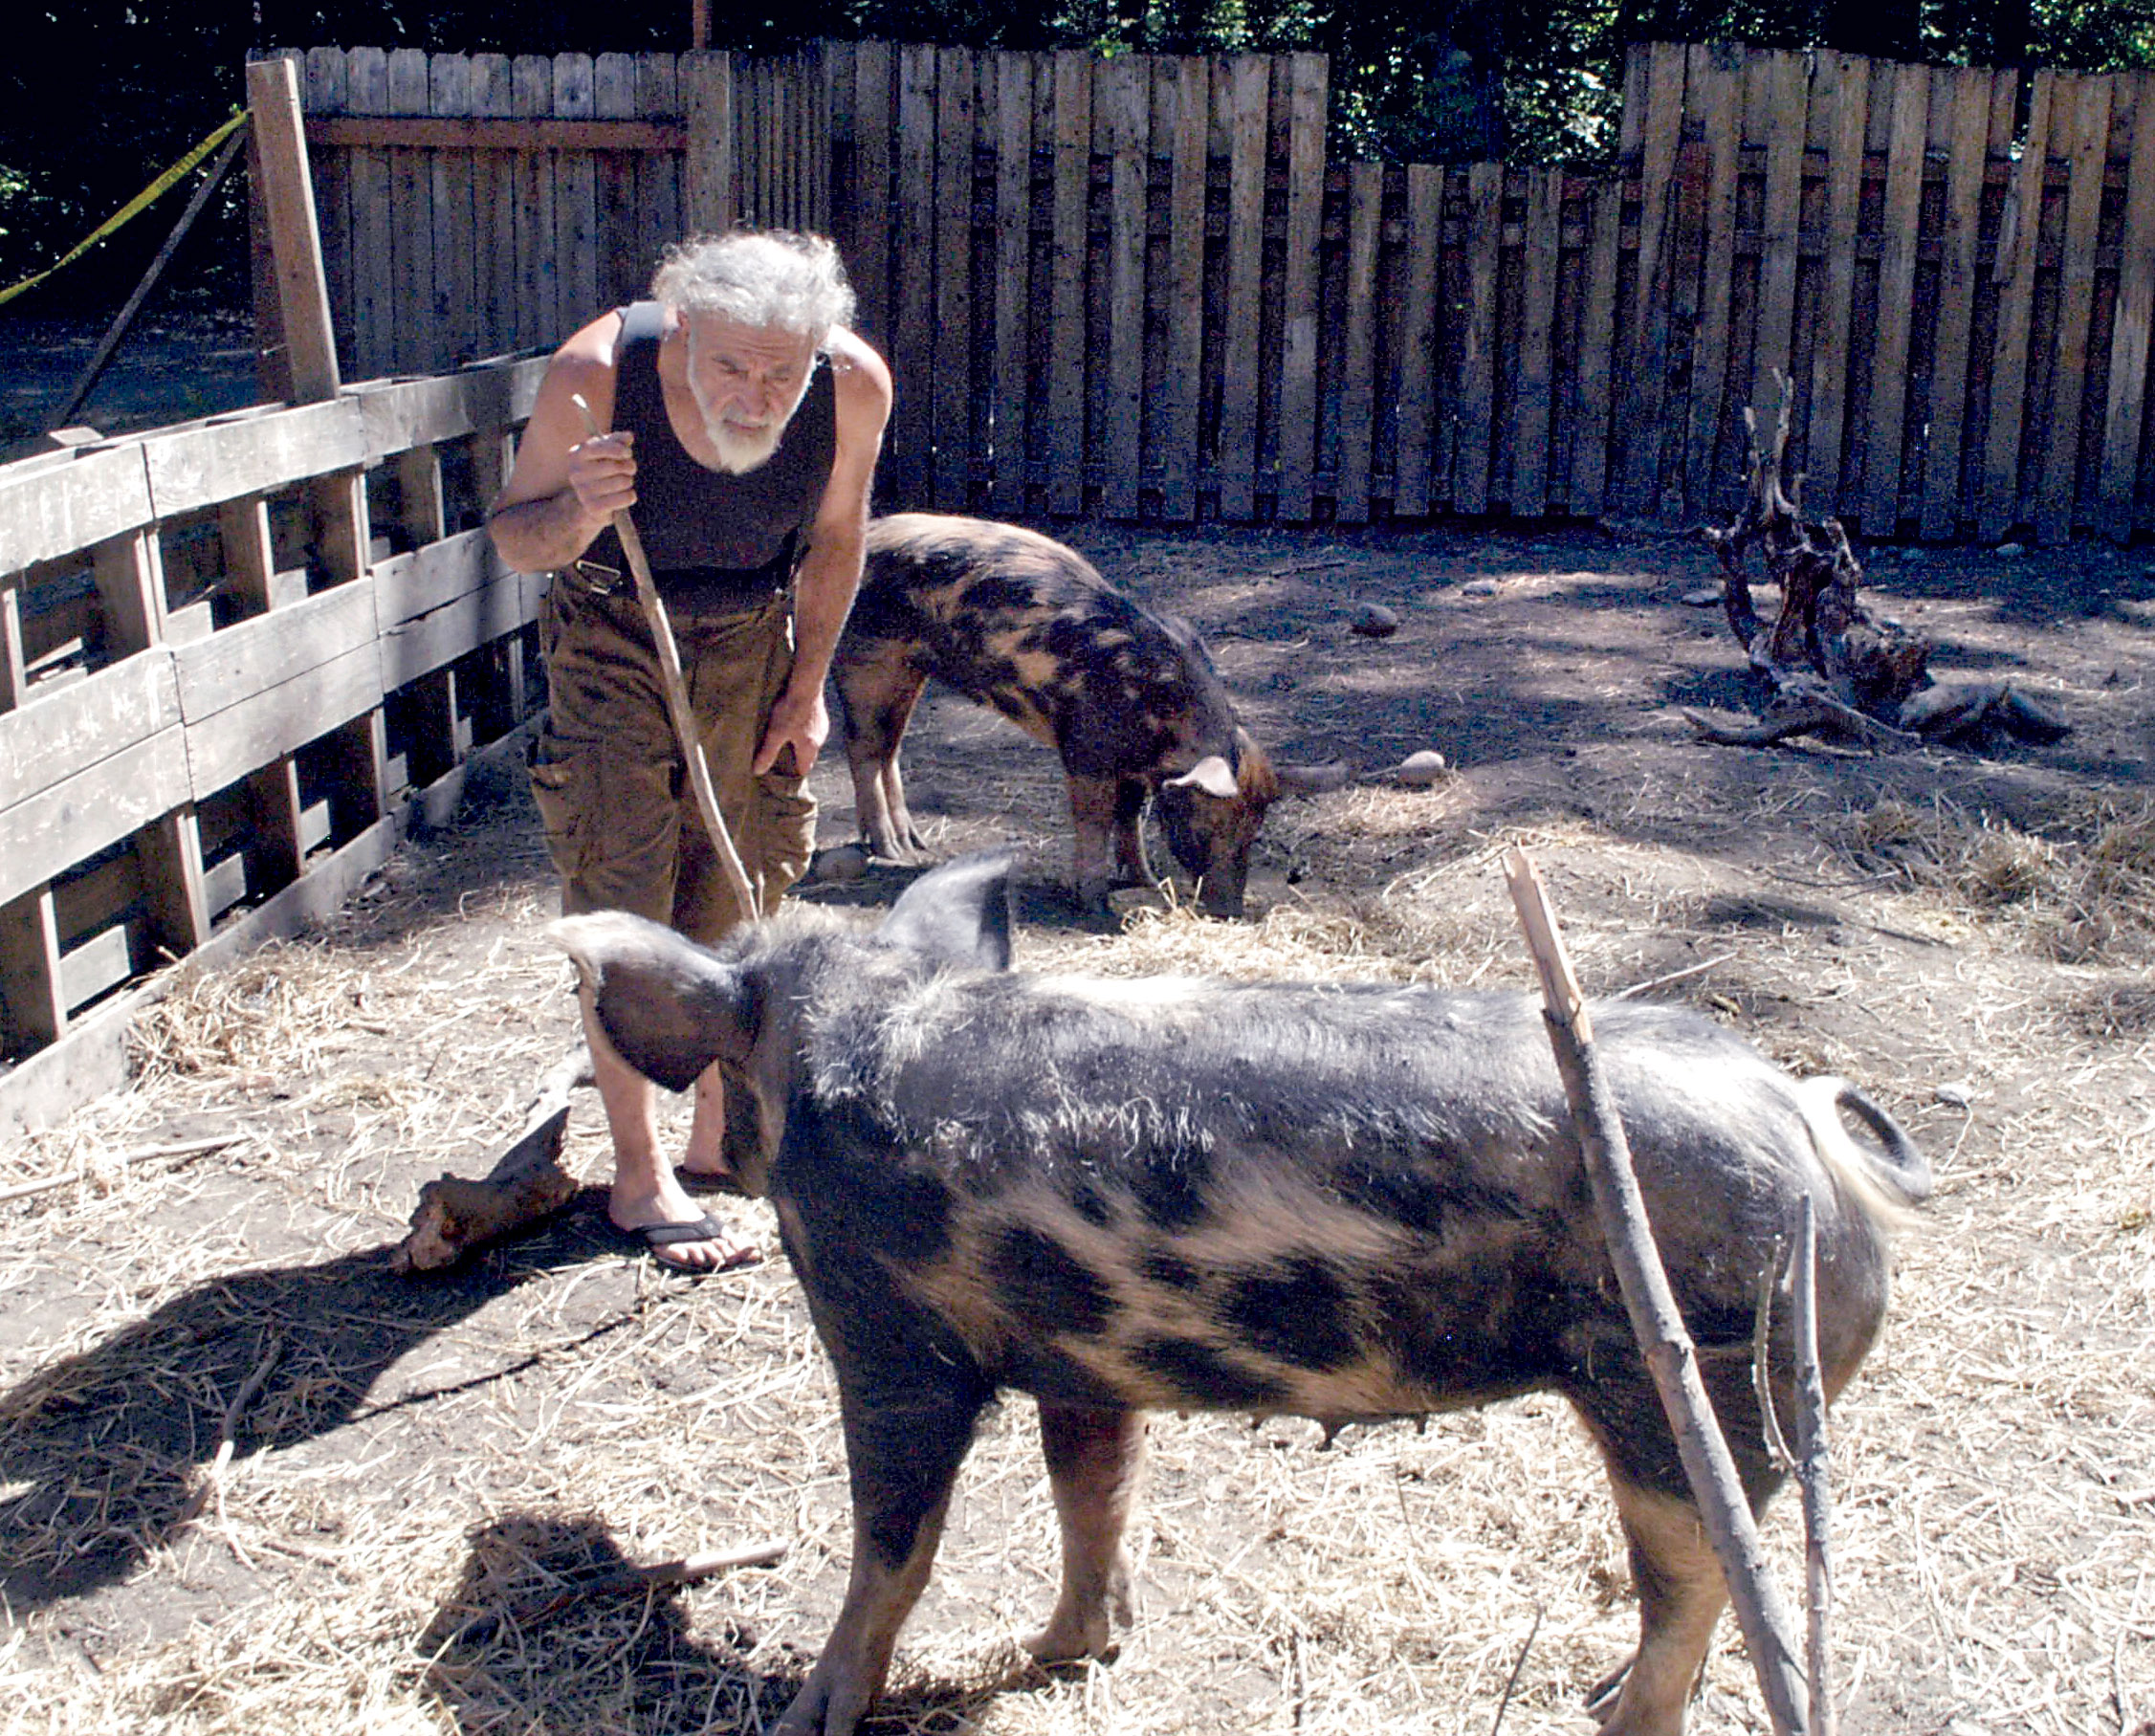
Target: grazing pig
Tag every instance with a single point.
(1338, 1201)
(1129, 699)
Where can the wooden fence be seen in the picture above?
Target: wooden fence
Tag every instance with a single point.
(1136, 287)
(238, 658)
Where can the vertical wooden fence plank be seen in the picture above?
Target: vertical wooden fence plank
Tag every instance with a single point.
(1966, 155)
(1537, 323)
(658, 173)
(324, 92)
(494, 288)
(744, 158)
(1190, 84)
(448, 79)
(2090, 143)
(1896, 293)
(1597, 341)
(705, 80)
(1717, 98)
(175, 899)
(1358, 381)
(1787, 92)
(1306, 78)
(1122, 125)
(841, 111)
(2014, 270)
(777, 125)
(539, 273)
(952, 348)
(1417, 337)
(576, 206)
(1246, 95)
(913, 337)
(412, 229)
(773, 126)
(1073, 183)
(1013, 76)
(283, 209)
(1660, 133)
(817, 153)
(1842, 90)
(31, 998)
(2125, 407)
(870, 259)
(1473, 460)
(613, 175)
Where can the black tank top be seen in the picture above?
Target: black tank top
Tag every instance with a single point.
(716, 541)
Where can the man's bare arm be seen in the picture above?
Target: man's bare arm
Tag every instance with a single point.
(830, 571)
(565, 485)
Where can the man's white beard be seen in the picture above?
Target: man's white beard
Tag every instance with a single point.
(741, 450)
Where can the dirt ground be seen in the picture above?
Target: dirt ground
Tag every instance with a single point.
(175, 363)
(422, 1473)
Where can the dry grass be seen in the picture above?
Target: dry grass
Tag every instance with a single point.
(422, 1468)
(2081, 891)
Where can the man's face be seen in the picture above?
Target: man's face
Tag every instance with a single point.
(747, 381)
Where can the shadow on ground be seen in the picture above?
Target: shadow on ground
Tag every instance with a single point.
(540, 1622)
(109, 1441)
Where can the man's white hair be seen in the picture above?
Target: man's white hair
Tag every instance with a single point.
(758, 277)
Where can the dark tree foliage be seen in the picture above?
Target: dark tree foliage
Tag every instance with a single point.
(99, 95)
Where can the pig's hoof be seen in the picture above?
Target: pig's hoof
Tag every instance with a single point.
(1059, 1645)
(1600, 1700)
(1071, 1636)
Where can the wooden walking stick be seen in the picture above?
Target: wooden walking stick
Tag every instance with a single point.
(677, 695)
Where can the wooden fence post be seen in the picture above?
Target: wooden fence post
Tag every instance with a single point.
(707, 100)
(288, 203)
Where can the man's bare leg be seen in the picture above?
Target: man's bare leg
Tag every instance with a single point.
(706, 1155)
(644, 1190)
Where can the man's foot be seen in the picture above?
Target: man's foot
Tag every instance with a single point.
(720, 1178)
(702, 1245)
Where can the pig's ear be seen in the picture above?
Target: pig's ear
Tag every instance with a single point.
(669, 1008)
(1212, 775)
(959, 914)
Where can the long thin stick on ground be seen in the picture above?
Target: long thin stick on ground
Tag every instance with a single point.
(1812, 1474)
(213, 1477)
(185, 1147)
(1662, 1337)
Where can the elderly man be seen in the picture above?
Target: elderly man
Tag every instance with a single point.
(746, 419)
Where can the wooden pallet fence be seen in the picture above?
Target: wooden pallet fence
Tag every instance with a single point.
(1963, 309)
(1136, 287)
(238, 658)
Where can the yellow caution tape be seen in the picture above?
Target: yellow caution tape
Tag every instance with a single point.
(135, 207)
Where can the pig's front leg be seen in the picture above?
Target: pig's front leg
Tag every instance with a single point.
(903, 1460)
(1092, 817)
(1095, 1461)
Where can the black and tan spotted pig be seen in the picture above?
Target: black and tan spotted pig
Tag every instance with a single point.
(1340, 1201)
(1128, 698)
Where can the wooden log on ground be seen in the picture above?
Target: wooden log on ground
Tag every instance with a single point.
(526, 1184)
(1838, 665)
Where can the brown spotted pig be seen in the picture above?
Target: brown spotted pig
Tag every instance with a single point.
(1338, 1200)
(1128, 698)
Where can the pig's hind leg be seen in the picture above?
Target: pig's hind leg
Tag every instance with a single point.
(1095, 1461)
(1681, 1596)
(902, 1457)
(1681, 1590)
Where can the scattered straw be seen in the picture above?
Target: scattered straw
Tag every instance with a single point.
(408, 1492)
